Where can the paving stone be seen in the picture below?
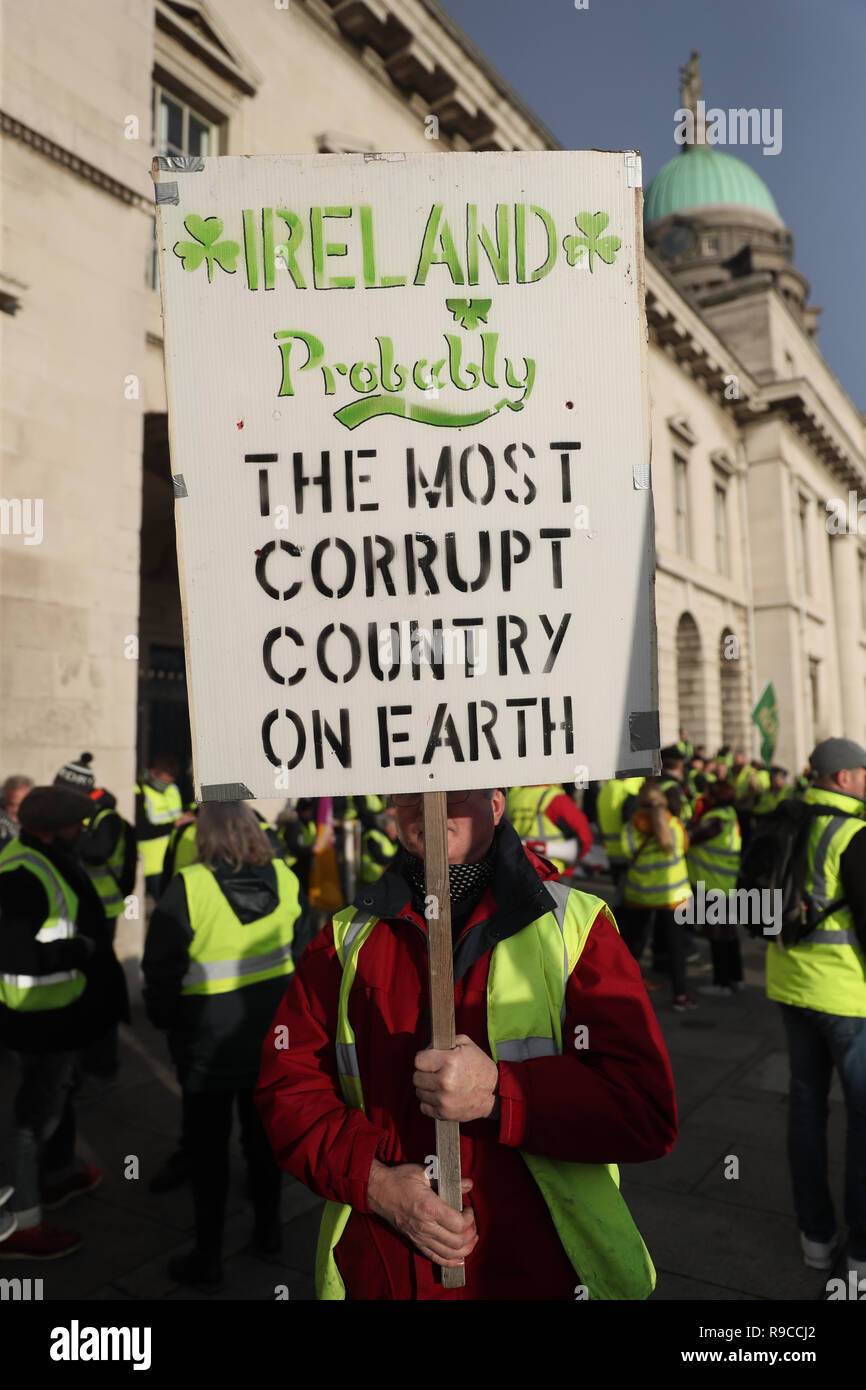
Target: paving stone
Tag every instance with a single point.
(755, 1253)
(675, 1288)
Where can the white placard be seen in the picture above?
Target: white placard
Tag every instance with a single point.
(410, 441)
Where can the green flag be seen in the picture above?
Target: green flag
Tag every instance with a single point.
(766, 716)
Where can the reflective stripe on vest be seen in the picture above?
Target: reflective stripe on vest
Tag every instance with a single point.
(216, 965)
(32, 993)
(652, 880)
(527, 979)
(716, 862)
(827, 970)
(161, 808)
(104, 876)
(526, 807)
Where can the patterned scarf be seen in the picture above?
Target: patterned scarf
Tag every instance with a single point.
(468, 881)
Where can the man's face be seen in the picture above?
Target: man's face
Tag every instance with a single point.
(470, 826)
(67, 836)
(852, 781)
(160, 775)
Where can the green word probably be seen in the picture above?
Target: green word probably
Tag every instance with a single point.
(385, 374)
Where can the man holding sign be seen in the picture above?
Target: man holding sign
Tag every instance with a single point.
(553, 1078)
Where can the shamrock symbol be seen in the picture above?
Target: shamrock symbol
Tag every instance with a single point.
(467, 312)
(591, 224)
(206, 246)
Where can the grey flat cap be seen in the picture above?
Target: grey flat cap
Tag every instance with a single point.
(835, 754)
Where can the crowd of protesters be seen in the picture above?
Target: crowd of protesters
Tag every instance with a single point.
(250, 928)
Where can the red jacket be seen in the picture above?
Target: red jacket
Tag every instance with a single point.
(611, 1102)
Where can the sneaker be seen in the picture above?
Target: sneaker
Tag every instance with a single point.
(716, 991)
(40, 1242)
(8, 1224)
(196, 1271)
(173, 1173)
(819, 1254)
(57, 1194)
(684, 1003)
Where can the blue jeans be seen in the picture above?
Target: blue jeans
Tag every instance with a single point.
(816, 1043)
(42, 1141)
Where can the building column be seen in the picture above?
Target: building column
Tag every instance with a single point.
(847, 605)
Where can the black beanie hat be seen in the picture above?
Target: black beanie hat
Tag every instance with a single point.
(77, 775)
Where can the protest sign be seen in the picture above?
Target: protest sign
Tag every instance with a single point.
(410, 446)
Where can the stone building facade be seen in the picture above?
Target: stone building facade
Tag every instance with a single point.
(752, 434)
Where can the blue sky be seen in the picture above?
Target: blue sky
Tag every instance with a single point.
(607, 77)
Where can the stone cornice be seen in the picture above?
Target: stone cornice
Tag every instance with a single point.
(9, 125)
(674, 324)
(678, 326)
(801, 406)
(208, 41)
(416, 47)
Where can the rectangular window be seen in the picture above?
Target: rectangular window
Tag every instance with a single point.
(720, 504)
(175, 128)
(681, 505)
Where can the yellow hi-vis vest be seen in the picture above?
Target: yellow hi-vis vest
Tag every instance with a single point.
(826, 971)
(769, 799)
(105, 877)
(526, 985)
(225, 954)
(655, 877)
(370, 869)
(182, 841)
(716, 862)
(608, 811)
(162, 808)
(29, 993)
(525, 807)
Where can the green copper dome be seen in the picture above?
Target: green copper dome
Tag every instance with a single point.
(704, 175)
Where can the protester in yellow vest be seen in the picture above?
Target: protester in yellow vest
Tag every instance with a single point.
(821, 985)
(216, 959)
(61, 988)
(657, 882)
(615, 799)
(558, 1071)
(158, 807)
(713, 859)
(378, 848)
(774, 789)
(549, 821)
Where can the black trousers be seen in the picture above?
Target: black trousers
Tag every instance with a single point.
(207, 1126)
(634, 925)
(727, 962)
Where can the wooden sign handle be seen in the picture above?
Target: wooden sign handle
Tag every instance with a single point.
(441, 958)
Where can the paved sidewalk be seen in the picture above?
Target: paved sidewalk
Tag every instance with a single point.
(711, 1237)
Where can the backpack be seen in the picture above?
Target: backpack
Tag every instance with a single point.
(776, 860)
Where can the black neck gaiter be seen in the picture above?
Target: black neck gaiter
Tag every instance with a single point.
(468, 881)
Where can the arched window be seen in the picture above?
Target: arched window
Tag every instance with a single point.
(690, 679)
(731, 689)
